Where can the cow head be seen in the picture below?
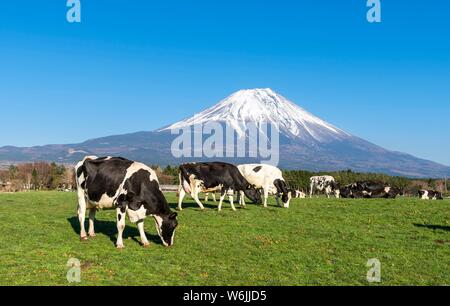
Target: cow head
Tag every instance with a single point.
(166, 225)
(286, 198)
(345, 192)
(336, 189)
(253, 194)
(397, 191)
(283, 191)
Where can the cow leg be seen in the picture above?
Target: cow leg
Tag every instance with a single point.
(242, 198)
(82, 213)
(206, 197)
(311, 189)
(266, 196)
(120, 227)
(222, 197)
(214, 198)
(277, 198)
(144, 240)
(181, 196)
(197, 200)
(231, 198)
(92, 212)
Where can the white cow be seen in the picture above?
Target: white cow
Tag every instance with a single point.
(324, 183)
(270, 179)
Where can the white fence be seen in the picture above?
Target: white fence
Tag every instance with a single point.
(169, 188)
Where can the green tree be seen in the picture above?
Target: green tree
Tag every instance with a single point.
(34, 178)
(13, 172)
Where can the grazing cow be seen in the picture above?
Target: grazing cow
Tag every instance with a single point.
(129, 187)
(430, 195)
(214, 177)
(324, 183)
(269, 179)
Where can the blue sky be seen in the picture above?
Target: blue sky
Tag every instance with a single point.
(139, 65)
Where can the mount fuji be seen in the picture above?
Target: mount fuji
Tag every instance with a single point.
(306, 141)
(257, 106)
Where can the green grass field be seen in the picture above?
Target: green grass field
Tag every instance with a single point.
(316, 242)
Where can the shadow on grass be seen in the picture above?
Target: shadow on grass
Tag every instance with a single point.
(207, 206)
(109, 229)
(434, 227)
(174, 206)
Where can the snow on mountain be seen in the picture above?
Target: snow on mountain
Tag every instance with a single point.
(258, 106)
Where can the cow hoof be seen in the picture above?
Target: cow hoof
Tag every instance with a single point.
(92, 235)
(146, 245)
(120, 247)
(82, 239)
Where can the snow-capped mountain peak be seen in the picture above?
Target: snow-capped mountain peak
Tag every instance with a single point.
(265, 106)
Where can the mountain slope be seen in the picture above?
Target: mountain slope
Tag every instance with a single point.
(306, 141)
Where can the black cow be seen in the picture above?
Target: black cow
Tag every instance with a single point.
(214, 177)
(346, 192)
(129, 187)
(430, 195)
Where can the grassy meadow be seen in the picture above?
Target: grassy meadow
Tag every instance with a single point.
(317, 242)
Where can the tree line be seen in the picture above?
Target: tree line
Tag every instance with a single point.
(37, 176)
(53, 176)
(300, 180)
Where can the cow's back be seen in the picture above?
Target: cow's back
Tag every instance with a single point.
(212, 174)
(260, 175)
(324, 178)
(105, 177)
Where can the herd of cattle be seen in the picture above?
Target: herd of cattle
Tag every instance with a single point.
(133, 188)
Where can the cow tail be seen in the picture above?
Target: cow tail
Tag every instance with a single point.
(183, 175)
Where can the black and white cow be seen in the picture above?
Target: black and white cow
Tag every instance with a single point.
(297, 194)
(324, 183)
(430, 195)
(369, 190)
(269, 179)
(128, 187)
(214, 177)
